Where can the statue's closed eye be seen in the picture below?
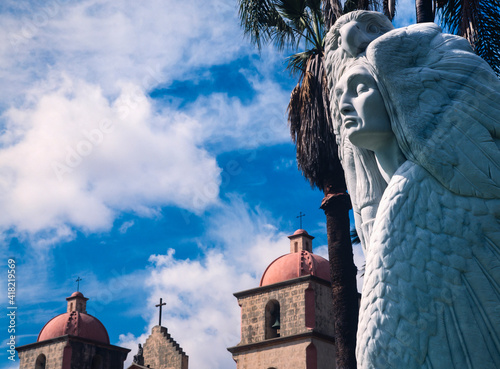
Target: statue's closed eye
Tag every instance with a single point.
(373, 28)
(360, 88)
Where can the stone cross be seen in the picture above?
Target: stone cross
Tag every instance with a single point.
(78, 284)
(160, 306)
(300, 218)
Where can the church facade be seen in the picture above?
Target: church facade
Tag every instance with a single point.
(77, 340)
(160, 351)
(72, 340)
(286, 322)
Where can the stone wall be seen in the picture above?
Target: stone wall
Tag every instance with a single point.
(324, 309)
(291, 355)
(292, 301)
(326, 354)
(79, 354)
(162, 352)
(83, 354)
(53, 352)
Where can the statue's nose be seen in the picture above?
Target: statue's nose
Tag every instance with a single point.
(346, 108)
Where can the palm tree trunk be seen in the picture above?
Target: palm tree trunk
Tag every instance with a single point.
(425, 13)
(343, 276)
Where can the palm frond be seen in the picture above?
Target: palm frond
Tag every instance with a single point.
(293, 10)
(283, 23)
(460, 17)
(262, 22)
(332, 10)
(305, 17)
(376, 5)
(350, 5)
(487, 42)
(389, 8)
(479, 22)
(315, 6)
(296, 63)
(286, 23)
(311, 128)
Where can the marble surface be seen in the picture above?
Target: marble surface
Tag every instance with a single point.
(417, 117)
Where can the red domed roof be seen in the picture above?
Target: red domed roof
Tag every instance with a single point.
(75, 324)
(296, 265)
(300, 231)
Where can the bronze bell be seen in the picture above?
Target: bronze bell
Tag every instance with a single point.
(276, 324)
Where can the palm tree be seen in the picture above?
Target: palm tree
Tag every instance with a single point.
(295, 23)
(476, 20)
(425, 10)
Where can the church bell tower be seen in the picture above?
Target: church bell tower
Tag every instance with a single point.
(287, 321)
(72, 340)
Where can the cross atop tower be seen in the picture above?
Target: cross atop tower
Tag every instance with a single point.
(160, 306)
(78, 284)
(300, 218)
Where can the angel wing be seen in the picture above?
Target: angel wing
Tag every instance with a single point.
(431, 294)
(445, 102)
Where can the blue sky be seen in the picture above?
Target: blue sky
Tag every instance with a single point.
(144, 148)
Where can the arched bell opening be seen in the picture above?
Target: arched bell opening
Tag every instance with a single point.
(97, 362)
(273, 319)
(40, 362)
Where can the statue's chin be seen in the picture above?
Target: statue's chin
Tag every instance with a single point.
(373, 140)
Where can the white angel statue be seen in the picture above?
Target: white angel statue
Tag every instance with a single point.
(349, 37)
(428, 110)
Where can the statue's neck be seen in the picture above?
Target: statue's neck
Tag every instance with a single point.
(389, 158)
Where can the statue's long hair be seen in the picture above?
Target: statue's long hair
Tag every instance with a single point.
(364, 181)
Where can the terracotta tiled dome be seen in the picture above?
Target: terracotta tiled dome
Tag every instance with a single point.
(294, 265)
(300, 231)
(75, 322)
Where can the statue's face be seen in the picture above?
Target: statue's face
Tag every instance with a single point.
(355, 36)
(364, 118)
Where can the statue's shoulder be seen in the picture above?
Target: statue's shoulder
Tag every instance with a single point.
(407, 176)
(402, 193)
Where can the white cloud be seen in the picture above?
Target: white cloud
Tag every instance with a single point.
(80, 143)
(249, 236)
(233, 125)
(73, 158)
(107, 41)
(202, 314)
(125, 226)
(321, 251)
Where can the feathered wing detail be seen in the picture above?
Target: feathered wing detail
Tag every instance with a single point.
(431, 293)
(445, 106)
